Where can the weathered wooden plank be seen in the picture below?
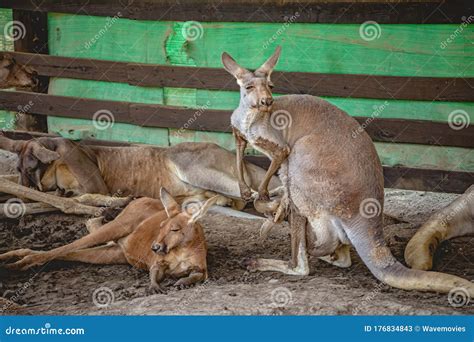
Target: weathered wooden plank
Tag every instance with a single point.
(412, 178)
(268, 11)
(357, 86)
(204, 119)
(24, 135)
(419, 132)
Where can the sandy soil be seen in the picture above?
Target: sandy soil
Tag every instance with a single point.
(74, 288)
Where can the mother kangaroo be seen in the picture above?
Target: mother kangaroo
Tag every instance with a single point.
(333, 179)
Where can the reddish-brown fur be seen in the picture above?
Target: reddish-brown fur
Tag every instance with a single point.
(149, 234)
(198, 170)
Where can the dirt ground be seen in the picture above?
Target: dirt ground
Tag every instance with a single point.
(81, 289)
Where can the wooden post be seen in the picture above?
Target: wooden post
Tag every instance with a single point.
(34, 40)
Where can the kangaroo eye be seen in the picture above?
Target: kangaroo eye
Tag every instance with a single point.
(175, 229)
(249, 87)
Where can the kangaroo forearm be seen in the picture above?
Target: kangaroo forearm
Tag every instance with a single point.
(193, 278)
(278, 156)
(157, 273)
(241, 144)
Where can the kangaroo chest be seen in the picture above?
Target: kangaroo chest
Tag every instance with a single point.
(258, 132)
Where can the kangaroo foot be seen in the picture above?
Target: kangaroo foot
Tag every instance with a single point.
(340, 258)
(35, 259)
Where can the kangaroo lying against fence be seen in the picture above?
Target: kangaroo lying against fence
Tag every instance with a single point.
(333, 181)
(457, 219)
(198, 170)
(147, 234)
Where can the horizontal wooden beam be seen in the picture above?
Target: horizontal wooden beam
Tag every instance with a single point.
(154, 115)
(395, 177)
(304, 11)
(412, 178)
(356, 86)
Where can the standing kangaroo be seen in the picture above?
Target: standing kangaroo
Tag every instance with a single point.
(333, 180)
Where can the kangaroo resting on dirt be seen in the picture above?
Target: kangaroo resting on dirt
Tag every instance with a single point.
(149, 234)
(198, 170)
(333, 180)
(457, 219)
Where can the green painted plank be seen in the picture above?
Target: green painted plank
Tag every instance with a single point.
(401, 50)
(5, 23)
(106, 38)
(421, 156)
(78, 129)
(7, 119)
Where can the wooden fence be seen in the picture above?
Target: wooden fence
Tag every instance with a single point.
(133, 59)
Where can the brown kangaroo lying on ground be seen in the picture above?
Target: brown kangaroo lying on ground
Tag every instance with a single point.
(457, 219)
(199, 170)
(333, 181)
(147, 234)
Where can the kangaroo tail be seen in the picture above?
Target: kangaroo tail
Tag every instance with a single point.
(369, 242)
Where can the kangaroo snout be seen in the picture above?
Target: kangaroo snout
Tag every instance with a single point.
(266, 101)
(159, 248)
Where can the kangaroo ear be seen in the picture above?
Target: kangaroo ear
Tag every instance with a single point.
(203, 210)
(14, 146)
(171, 207)
(233, 68)
(43, 154)
(267, 67)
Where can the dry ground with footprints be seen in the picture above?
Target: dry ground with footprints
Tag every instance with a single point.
(74, 288)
